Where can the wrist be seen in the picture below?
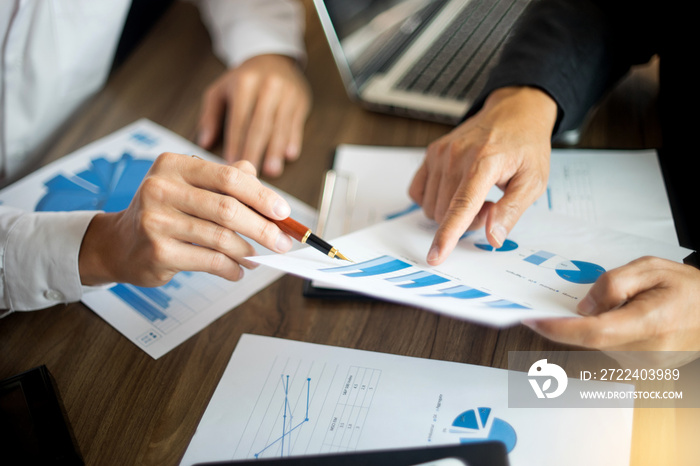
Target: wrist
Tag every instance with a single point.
(531, 102)
(94, 257)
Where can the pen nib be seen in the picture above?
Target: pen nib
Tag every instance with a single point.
(338, 255)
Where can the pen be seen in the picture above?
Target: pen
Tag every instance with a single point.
(303, 234)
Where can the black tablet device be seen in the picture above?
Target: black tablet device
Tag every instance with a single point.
(312, 291)
(471, 454)
(33, 426)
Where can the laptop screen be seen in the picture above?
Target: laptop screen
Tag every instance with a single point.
(372, 33)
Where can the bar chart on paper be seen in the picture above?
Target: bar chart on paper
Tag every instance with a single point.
(305, 407)
(104, 176)
(423, 283)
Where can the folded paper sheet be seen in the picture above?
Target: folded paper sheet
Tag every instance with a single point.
(280, 398)
(104, 175)
(545, 267)
(622, 190)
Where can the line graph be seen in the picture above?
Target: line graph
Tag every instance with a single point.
(286, 433)
(304, 407)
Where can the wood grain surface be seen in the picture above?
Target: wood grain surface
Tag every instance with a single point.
(126, 408)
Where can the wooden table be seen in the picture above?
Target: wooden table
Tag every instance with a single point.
(125, 407)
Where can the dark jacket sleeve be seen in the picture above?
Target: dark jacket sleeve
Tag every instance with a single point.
(575, 50)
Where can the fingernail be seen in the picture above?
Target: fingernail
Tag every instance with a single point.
(499, 233)
(433, 254)
(241, 273)
(586, 306)
(281, 208)
(203, 137)
(284, 243)
(292, 151)
(273, 167)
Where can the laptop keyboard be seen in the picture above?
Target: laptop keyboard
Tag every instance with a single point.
(456, 65)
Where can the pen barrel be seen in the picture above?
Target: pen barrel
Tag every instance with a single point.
(293, 228)
(319, 244)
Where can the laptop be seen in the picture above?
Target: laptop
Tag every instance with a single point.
(426, 59)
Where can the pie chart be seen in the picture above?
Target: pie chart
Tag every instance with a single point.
(473, 426)
(105, 185)
(588, 272)
(508, 245)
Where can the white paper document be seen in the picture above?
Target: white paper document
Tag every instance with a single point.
(280, 398)
(622, 190)
(104, 175)
(543, 269)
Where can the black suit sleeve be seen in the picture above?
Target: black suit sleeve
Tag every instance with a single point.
(575, 50)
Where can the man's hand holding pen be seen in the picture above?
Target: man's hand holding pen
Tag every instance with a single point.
(188, 214)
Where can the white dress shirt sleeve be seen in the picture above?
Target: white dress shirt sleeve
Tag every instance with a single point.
(242, 29)
(39, 258)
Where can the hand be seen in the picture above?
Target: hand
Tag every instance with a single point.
(507, 143)
(263, 105)
(650, 304)
(186, 215)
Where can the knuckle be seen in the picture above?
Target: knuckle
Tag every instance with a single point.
(607, 283)
(510, 211)
(268, 233)
(245, 166)
(461, 201)
(230, 176)
(150, 222)
(155, 188)
(273, 83)
(263, 197)
(651, 262)
(163, 276)
(437, 148)
(485, 163)
(219, 263)
(454, 151)
(159, 257)
(227, 209)
(222, 238)
(247, 79)
(165, 160)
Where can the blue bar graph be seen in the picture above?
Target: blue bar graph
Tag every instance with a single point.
(174, 283)
(378, 266)
(505, 304)
(140, 305)
(460, 292)
(418, 279)
(539, 257)
(156, 295)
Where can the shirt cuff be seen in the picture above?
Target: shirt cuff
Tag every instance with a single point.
(41, 259)
(244, 29)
